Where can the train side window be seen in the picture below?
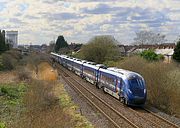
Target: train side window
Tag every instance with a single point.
(107, 79)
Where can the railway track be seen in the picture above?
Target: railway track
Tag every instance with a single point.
(111, 113)
(161, 118)
(116, 118)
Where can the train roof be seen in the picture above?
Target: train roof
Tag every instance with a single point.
(123, 71)
(101, 66)
(111, 72)
(90, 62)
(77, 61)
(91, 66)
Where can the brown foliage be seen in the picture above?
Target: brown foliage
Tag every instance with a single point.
(23, 74)
(42, 108)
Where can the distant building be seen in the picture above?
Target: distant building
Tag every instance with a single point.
(166, 49)
(12, 38)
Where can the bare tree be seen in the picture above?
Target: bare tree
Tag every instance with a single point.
(51, 46)
(149, 37)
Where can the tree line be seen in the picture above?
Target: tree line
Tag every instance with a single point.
(105, 48)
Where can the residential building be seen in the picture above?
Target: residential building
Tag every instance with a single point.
(166, 49)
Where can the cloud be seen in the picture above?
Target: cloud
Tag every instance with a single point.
(16, 20)
(39, 21)
(61, 16)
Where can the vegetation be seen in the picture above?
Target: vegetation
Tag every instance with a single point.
(60, 43)
(151, 55)
(11, 102)
(100, 49)
(3, 46)
(162, 82)
(176, 54)
(39, 101)
(10, 59)
(2, 125)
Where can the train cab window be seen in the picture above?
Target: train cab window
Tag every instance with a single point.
(135, 83)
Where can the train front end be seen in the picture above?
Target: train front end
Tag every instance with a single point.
(136, 92)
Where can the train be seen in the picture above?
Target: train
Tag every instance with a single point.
(127, 86)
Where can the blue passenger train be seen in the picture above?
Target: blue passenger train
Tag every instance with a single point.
(127, 86)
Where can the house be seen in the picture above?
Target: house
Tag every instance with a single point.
(166, 49)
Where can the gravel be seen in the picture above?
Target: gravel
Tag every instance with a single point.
(172, 119)
(86, 109)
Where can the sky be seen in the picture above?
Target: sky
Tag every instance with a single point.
(40, 21)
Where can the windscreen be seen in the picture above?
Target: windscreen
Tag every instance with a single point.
(135, 83)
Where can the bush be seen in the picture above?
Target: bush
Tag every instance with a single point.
(100, 49)
(1, 64)
(151, 55)
(12, 91)
(14, 54)
(176, 54)
(9, 60)
(23, 74)
(162, 82)
(2, 125)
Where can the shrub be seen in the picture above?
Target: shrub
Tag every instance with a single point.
(2, 125)
(176, 54)
(9, 60)
(151, 55)
(13, 91)
(1, 64)
(14, 54)
(23, 74)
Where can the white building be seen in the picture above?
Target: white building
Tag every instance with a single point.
(12, 38)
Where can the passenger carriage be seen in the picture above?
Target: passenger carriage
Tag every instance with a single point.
(77, 67)
(90, 72)
(63, 60)
(110, 82)
(69, 63)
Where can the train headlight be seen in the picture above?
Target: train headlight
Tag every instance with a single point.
(144, 91)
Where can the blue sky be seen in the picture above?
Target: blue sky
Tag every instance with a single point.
(40, 21)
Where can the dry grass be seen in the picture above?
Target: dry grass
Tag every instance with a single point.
(7, 77)
(48, 105)
(45, 102)
(23, 74)
(9, 60)
(42, 108)
(162, 81)
(46, 72)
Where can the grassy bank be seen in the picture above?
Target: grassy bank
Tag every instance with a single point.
(48, 105)
(40, 101)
